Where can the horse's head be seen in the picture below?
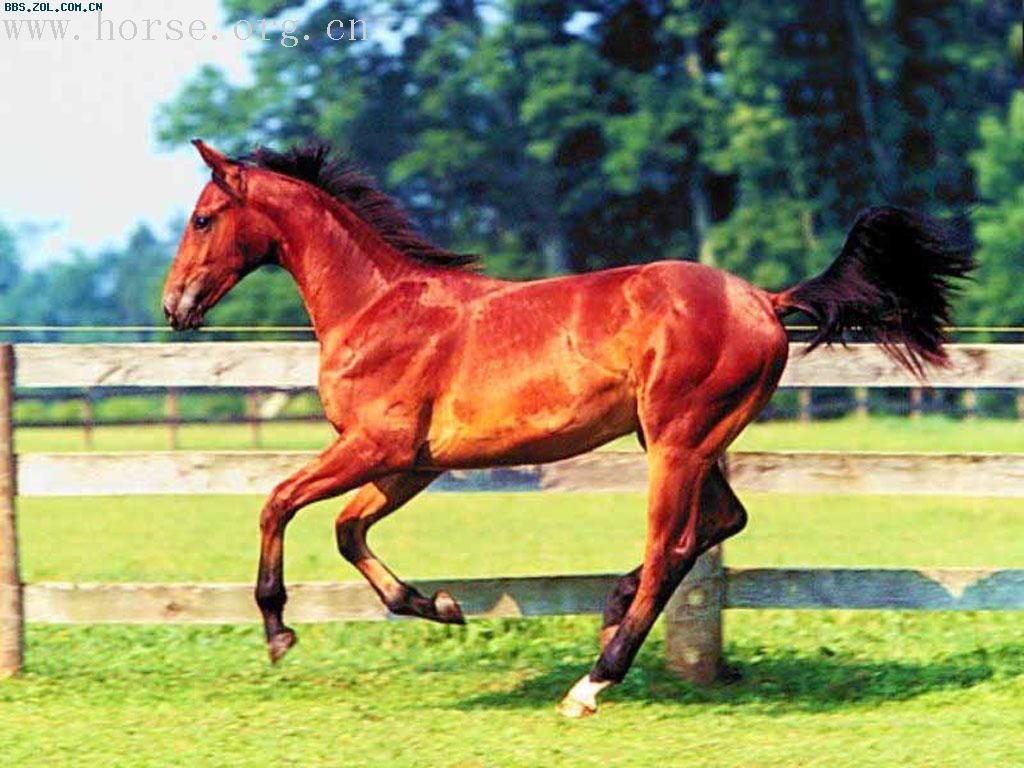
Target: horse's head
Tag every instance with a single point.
(225, 239)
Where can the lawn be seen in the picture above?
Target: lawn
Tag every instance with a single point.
(878, 433)
(819, 689)
(822, 688)
(448, 535)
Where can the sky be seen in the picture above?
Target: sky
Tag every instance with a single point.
(80, 160)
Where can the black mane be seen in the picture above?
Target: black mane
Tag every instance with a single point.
(339, 177)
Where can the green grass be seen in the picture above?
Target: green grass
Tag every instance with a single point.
(821, 688)
(929, 433)
(887, 433)
(446, 535)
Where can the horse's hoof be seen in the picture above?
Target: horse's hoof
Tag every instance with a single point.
(280, 644)
(581, 700)
(575, 709)
(447, 610)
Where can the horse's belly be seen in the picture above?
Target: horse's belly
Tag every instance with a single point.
(537, 422)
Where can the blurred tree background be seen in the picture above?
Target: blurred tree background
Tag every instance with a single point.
(555, 136)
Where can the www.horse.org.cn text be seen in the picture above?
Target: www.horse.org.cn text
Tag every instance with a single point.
(33, 27)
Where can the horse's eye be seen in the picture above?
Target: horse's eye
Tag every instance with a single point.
(201, 222)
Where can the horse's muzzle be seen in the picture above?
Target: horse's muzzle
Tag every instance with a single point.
(183, 310)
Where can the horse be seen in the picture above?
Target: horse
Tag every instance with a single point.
(428, 365)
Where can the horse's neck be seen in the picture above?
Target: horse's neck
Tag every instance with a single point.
(339, 265)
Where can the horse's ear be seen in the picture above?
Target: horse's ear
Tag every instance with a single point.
(218, 163)
(227, 174)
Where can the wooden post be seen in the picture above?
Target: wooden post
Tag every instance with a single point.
(803, 397)
(252, 413)
(173, 416)
(860, 397)
(693, 618)
(88, 417)
(970, 403)
(693, 622)
(12, 616)
(916, 398)
(1020, 403)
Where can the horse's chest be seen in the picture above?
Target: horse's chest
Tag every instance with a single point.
(383, 387)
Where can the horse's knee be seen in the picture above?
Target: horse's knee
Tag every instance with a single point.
(275, 514)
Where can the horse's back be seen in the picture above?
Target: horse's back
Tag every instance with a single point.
(541, 373)
(554, 367)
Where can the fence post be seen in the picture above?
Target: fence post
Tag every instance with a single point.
(916, 401)
(803, 398)
(693, 619)
(252, 414)
(693, 622)
(970, 403)
(1020, 403)
(173, 415)
(860, 397)
(12, 617)
(88, 419)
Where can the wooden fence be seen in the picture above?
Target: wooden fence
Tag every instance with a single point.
(693, 617)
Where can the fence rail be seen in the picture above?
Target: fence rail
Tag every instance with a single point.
(943, 589)
(289, 365)
(693, 618)
(800, 472)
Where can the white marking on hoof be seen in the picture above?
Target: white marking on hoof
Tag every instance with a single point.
(581, 700)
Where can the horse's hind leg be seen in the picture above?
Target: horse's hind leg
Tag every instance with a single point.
(721, 516)
(374, 502)
(676, 479)
(683, 455)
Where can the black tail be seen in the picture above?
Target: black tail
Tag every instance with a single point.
(892, 281)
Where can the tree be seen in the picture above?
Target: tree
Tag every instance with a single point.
(996, 299)
(10, 265)
(557, 136)
(949, 66)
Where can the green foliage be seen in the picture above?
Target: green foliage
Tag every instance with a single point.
(575, 136)
(10, 266)
(554, 136)
(112, 287)
(267, 297)
(999, 162)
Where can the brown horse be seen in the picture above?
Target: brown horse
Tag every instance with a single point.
(427, 366)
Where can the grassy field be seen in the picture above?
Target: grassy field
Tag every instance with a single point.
(929, 433)
(818, 689)
(821, 689)
(447, 535)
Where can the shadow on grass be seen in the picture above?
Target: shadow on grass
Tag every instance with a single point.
(784, 682)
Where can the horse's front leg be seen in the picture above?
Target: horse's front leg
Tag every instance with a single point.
(347, 464)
